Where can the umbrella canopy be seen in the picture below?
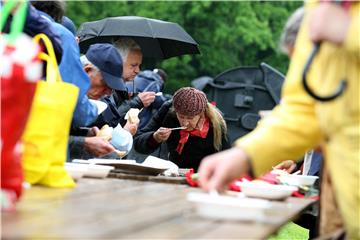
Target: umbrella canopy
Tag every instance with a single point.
(157, 39)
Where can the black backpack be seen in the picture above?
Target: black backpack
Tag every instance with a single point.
(240, 93)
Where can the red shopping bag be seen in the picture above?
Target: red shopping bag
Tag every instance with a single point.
(20, 69)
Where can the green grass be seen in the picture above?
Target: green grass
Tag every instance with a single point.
(291, 231)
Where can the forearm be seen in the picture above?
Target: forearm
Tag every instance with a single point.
(76, 146)
(145, 143)
(287, 134)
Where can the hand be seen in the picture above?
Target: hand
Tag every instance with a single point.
(217, 171)
(162, 134)
(147, 98)
(288, 165)
(131, 127)
(93, 132)
(328, 22)
(98, 146)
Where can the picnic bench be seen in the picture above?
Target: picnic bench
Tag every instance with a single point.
(126, 208)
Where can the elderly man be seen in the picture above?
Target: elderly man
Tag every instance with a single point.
(131, 55)
(103, 65)
(149, 81)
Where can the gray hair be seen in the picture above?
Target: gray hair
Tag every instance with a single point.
(124, 45)
(85, 61)
(290, 31)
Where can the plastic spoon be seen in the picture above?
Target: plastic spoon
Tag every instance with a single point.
(177, 128)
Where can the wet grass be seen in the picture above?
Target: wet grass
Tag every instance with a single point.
(291, 231)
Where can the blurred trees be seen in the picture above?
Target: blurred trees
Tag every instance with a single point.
(229, 34)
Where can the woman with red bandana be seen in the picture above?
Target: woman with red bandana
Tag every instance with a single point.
(204, 130)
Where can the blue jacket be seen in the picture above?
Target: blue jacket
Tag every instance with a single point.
(71, 71)
(147, 81)
(35, 24)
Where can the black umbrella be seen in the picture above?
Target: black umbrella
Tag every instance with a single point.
(157, 39)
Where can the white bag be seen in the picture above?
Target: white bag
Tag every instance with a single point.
(121, 139)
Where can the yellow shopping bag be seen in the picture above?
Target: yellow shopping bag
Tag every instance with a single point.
(47, 131)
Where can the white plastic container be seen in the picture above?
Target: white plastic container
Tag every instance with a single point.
(98, 171)
(266, 191)
(298, 180)
(94, 170)
(76, 171)
(236, 208)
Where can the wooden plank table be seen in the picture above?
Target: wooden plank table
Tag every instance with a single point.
(119, 208)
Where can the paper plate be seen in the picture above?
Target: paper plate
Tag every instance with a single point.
(101, 106)
(155, 162)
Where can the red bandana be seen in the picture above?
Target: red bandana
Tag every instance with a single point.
(184, 135)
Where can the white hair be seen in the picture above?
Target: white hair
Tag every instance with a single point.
(291, 29)
(124, 45)
(85, 61)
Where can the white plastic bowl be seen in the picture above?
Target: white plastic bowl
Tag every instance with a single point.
(236, 208)
(298, 180)
(266, 191)
(76, 171)
(98, 171)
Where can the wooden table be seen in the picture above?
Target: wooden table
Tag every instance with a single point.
(119, 208)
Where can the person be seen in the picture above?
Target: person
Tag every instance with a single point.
(70, 67)
(69, 24)
(204, 130)
(311, 164)
(131, 56)
(300, 123)
(312, 161)
(149, 81)
(102, 63)
(35, 24)
(290, 32)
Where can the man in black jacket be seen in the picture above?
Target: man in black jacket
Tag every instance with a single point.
(119, 102)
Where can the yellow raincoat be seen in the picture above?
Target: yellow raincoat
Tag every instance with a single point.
(300, 123)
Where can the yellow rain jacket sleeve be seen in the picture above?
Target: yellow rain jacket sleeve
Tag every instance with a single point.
(300, 123)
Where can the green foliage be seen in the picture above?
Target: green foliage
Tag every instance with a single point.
(230, 34)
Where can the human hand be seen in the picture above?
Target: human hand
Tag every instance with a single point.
(92, 132)
(98, 146)
(162, 134)
(328, 22)
(288, 165)
(131, 127)
(147, 98)
(217, 171)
